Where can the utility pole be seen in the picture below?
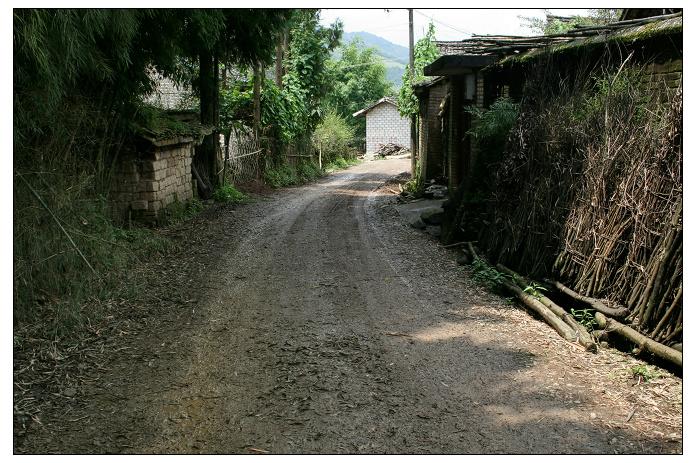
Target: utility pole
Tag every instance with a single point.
(412, 74)
(410, 41)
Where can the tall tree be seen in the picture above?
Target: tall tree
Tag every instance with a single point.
(306, 66)
(61, 55)
(246, 36)
(358, 78)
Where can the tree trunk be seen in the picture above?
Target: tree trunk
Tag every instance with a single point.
(551, 318)
(643, 342)
(583, 335)
(592, 302)
(280, 52)
(257, 98)
(207, 158)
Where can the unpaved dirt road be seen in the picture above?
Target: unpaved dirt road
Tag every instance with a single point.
(324, 325)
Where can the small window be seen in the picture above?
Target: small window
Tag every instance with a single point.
(470, 87)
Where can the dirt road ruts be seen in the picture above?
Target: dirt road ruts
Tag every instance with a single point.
(328, 326)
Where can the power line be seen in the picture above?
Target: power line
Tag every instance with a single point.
(444, 24)
(393, 26)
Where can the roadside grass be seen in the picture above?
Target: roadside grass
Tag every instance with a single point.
(227, 193)
(487, 275)
(645, 372)
(341, 163)
(59, 285)
(305, 172)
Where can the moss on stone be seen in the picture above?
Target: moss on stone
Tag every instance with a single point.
(155, 124)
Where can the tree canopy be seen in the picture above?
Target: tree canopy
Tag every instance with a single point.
(424, 52)
(358, 78)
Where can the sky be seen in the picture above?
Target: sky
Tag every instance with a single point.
(450, 24)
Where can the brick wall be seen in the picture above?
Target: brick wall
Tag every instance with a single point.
(474, 150)
(148, 181)
(479, 94)
(434, 147)
(385, 125)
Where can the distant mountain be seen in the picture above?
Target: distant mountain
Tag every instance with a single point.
(394, 57)
(386, 48)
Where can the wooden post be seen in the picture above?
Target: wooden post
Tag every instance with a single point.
(228, 136)
(320, 155)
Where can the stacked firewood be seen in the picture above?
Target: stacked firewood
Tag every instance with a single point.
(391, 149)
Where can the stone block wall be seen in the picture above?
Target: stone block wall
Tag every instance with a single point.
(663, 78)
(167, 93)
(146, 182)
(385, 125)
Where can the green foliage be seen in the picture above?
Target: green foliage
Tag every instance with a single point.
(646, 372)
(227, 193)
(334, 135)
(585, 317)
(63, 53)
(288, 175)
(283, 111)
(281, 176)
(535, 290)
(554, 25)
(490, 127)
(411, 186)
(615, 90)
(489, 276)
(293, 111)
(416, 185)
(308, 171)
(424, 52)
(236, 104)
(358, 79)
(229, 33)
(306, 80)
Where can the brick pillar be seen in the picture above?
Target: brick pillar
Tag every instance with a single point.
(454, 137)
(425, 168)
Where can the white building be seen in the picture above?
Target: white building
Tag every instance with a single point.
(384, 125)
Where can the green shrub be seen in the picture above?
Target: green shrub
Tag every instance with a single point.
(490, 127)
(334, 135)
(227, 193)
(487, 275)
(585, 317)
(280, 176)
(308, 171)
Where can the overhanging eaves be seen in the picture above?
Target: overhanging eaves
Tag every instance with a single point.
(449, 65)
